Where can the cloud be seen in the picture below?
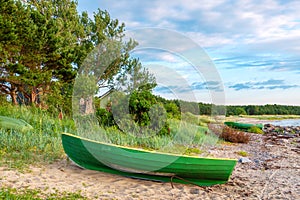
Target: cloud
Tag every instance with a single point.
(165, 90)
(208, 85)
(262, 61)
(213, 23)
(271, 84)
(194, 87)
(246, 39)
(240, 86)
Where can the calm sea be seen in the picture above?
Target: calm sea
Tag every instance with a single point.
(287, 122)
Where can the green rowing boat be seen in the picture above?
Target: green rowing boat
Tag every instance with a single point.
(243, 126)
(149, 165)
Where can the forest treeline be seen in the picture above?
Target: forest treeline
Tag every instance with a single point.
(269, 109)
(142, 103)
(211, 109)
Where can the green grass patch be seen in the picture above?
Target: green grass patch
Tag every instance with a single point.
(42, 143)
(255, 129)
(242, 153)
(19, 149)
(13, 194)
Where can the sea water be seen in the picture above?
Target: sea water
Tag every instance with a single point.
(286, 122)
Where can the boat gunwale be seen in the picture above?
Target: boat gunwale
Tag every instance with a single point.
(143, 150)
(242, 123)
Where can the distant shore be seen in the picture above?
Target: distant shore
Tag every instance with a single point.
(261, 119)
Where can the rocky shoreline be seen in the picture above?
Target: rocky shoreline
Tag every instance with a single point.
(271, 167)
(293, 131)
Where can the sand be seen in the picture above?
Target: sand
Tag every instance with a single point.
(273, 173)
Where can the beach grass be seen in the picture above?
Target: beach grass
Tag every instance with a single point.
(242, 153)
(42, 144)
(184, 137)
(29, 194)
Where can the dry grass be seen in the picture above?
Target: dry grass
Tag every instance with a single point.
(235, 136)
(230, 135)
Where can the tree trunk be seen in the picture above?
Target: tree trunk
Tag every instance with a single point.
(89, 105)
(13, 95)
(33, 96)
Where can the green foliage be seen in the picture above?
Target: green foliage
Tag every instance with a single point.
(255, 129)
(41, 144)
(138, 112)
(105, 118)
(190, 118)
(205, 109)
(235, 111)
(184, 138)
(140, 103)
(263, 110)
(172, 110)
(193, 151)
(44, 43)
(146, 112)
(28, 194)
(191, 107)
(60, 98)
(135, 78)
(41, 48)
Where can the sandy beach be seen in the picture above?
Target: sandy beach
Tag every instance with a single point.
(271, 171)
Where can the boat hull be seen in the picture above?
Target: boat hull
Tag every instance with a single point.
(243, 126)
(148, 165)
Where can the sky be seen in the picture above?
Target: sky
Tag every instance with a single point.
(250, 48)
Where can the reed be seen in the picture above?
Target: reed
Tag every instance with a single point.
(40, 143)
(183, 136)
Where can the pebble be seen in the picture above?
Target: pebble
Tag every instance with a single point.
(194, 191)
(244, 160)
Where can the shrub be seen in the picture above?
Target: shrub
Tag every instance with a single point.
(104, 117)
(255, 129)
(232, 135)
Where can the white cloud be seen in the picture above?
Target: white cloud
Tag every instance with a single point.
(252, 35)
(205, 40)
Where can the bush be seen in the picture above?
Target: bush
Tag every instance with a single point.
(104, 117)
(232, 135)
(255, 129)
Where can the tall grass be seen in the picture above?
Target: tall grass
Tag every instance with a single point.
(182, 138)
(43, 142)
(40, 144)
